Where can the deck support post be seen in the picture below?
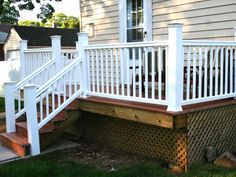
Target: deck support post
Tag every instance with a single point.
(83, 41)
(175, 64)
(23, 47)
(56, 52)
(10, 107)
(32, 121)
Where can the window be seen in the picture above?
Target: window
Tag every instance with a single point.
(134, 20)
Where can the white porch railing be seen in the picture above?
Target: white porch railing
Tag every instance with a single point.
(173, 73)
(210, 71)
(134, 72)
(35, 58)
(69, 56)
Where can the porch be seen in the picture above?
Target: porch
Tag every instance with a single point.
(166, 84)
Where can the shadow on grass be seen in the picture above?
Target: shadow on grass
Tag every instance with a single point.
(59, 164)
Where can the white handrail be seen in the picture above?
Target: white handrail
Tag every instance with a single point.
(208, 43)
(128, 45)
(38, 50)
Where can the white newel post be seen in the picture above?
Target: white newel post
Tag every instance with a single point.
(56, 52)
(32, 122)
(23, 47)
(175, 68)
(83, 41)
(10, 107)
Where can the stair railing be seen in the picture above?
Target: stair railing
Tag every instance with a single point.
(14, 94)
(59, 92)
(50, 99)
(38, 78)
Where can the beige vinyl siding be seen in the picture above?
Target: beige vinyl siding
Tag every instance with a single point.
(13, 40)
(202, 19)
(105, 16)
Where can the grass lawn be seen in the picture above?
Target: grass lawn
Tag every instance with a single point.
(2, 104)
(61, 164)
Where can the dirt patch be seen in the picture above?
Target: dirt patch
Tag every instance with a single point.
(106, 158)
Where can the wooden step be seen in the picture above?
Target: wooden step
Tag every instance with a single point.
(21, 128)
(47, 140)
(16, 142)
(58, 118)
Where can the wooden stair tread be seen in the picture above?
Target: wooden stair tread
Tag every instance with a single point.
(16, 142)
(48, 128)
(16, 138)
(59, 117)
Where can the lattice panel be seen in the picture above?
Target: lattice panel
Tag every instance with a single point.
(134, 137)
(212, 127)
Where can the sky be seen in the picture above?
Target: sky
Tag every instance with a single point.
(68, 7)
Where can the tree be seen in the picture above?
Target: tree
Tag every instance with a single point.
(63, 21)
(59, 19)
(8, 13)
(7, 7)
(30, 23)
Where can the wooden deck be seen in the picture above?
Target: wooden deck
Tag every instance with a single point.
(146, 113)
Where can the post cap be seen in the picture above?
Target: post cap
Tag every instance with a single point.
(55, 37)
(29, 86)
(85, 34)
(9, 83)
(23, 41)
(177, 25)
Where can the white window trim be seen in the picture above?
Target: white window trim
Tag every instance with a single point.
(123, 20)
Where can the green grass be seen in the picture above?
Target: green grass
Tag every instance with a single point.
(2, 104)
(60, 164)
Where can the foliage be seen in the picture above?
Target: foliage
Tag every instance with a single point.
(2, 104)
(10, 8)
(63, 21)
(8, 13)
(62, 165)
(30, 23)
(59, 19)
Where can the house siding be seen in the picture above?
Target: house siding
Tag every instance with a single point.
(202, 19)
(105, 16)
(12, 42)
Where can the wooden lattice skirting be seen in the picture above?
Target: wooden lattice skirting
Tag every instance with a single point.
(183, 147)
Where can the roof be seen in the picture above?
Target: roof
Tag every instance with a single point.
(40, 36)
(5, 28)
(3, 37)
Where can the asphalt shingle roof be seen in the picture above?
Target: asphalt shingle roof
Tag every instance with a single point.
(5, 28)
(39, 36)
